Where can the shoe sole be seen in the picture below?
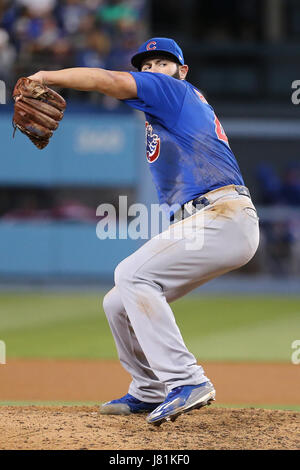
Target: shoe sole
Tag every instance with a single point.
(115, 409)
(120, 409)
(207, 400)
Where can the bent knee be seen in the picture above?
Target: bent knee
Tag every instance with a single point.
(124, 272)
(112, 303)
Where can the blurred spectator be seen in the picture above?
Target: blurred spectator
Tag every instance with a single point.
(71, 14)
(51, 34)
(291, 184)
(279, 190)
(295, 249)
(116, 11)
(270, 184)
(279, 246)
(94, 51)
(62, 54)
(34, 32)
(121, 54)
(280, 231)
(7, 56)
(38, 7)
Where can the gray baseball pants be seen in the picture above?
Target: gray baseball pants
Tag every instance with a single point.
(218, 238)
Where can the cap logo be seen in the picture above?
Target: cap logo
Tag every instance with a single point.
(151, 45)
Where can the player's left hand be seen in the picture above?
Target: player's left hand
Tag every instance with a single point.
(37, 110)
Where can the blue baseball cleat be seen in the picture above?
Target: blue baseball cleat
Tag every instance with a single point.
(126, 406)
(181, 400)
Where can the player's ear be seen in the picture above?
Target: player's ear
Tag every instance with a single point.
(183, 70)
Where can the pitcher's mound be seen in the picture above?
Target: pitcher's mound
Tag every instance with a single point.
(79, 427)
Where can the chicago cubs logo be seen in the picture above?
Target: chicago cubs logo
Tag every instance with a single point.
(153, 144)
(151, 45)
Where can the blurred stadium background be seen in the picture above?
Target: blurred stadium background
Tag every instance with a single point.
(244, 56)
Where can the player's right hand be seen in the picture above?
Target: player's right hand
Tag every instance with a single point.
(38, 77)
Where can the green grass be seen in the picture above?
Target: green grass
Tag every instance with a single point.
(228, 328)
(91, 403)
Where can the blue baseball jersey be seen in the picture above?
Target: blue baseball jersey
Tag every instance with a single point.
(187, 148)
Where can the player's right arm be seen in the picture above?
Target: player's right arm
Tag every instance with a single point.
(120, 85)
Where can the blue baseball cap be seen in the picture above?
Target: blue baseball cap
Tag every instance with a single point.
(157, 47)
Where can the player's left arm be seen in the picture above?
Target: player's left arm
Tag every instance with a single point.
(120, 85)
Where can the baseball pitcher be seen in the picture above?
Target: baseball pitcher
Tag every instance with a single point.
(194, 169)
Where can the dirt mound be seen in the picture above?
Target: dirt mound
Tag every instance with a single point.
(34, 427)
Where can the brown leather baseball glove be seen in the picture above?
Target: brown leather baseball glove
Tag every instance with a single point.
(37, 110)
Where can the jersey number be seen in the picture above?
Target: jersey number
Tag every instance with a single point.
(218, 126)
(220, 131)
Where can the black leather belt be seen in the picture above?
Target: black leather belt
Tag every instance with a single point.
(202, 201)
